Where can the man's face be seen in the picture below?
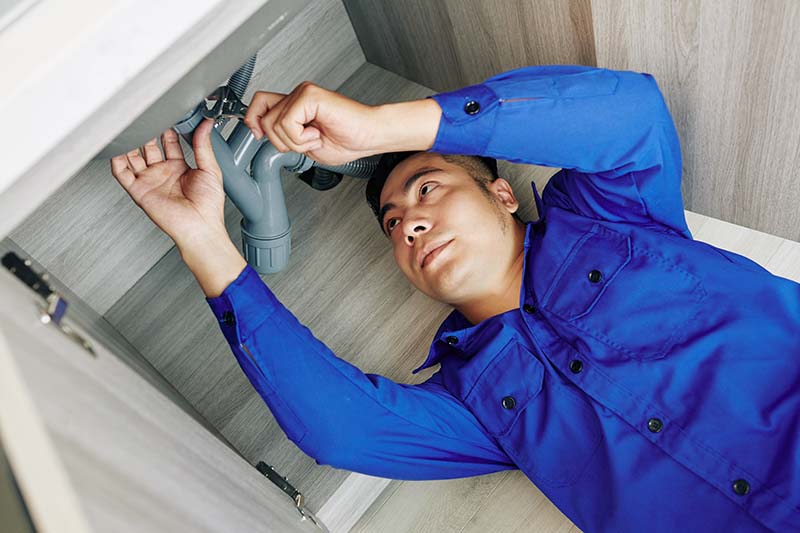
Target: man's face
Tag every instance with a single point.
(444, 205)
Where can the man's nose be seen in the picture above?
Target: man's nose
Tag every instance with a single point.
(411, 236)
(413, 226)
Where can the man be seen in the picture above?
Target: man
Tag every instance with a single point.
(644, 381)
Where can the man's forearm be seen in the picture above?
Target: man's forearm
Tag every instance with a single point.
(408, 125)
(214, 260)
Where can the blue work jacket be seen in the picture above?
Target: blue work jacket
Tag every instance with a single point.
(646, 382)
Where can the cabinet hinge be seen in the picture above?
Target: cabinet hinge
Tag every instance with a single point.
(55, 305)
(293, 493)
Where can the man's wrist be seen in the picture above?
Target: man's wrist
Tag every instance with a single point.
(409, 125)
(214, 260)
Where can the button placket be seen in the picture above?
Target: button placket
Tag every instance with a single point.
(714, 467)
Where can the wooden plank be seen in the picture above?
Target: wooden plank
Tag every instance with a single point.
(758, 246)
(351, 500)
(101, 329)
(434, 506)
(728, 72)
(449, 44)
(41, 476)
(786, 261)
(96, 447)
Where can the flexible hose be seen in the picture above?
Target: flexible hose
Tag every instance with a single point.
(238, 83)
(240, 79)
(360, 168)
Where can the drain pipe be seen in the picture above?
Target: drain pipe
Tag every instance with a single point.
(267, 239)
(265, 226)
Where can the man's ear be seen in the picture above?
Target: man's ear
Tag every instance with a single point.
(504, 194)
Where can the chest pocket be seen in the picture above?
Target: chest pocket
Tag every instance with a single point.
(549, 431)
(633, 299)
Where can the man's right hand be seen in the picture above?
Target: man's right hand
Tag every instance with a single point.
(333, 129)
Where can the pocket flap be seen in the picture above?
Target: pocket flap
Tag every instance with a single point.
(514, 373)
(590, 267)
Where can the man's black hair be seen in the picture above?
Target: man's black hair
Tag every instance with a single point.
(388, 161)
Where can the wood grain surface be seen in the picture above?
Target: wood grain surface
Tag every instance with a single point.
(728, 71)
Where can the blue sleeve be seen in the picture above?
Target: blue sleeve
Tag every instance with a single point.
(339, 415)
(609, 131)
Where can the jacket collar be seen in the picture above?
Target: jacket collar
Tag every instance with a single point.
(456, 335)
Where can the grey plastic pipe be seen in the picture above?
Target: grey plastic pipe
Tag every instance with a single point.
(266, 228)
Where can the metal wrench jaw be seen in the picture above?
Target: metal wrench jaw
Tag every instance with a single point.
(226, 104)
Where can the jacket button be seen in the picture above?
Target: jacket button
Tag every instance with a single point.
(528, 308)
(228, 318)
(576, 366)
(509, 402)
(451, 339)
(472, 107)
(741, 487)
(595, 276)
(655, 425)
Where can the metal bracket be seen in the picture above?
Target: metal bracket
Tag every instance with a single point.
(56, 306)
(292, 492)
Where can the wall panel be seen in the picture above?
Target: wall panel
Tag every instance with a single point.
(448, 44)
(728, 71)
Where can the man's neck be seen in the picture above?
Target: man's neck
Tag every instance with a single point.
(507, 297)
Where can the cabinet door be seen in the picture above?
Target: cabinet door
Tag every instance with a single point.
(95, 447)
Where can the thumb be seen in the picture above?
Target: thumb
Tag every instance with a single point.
(203, 152)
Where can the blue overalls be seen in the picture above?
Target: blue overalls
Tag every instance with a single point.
(646, 382)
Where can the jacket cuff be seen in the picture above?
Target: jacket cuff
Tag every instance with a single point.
(243, 306)
(467, 122)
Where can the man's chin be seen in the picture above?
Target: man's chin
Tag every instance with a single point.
(445, 290)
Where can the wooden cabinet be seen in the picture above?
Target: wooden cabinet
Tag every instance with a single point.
(95, 442)
(96, 447)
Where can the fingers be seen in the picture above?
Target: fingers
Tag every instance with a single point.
(286, 122)
(172, 144)
(152, 153)
(301, 140)
(203, 151)
(135, 161)
(261, 103)
(291, 127)
(126, 167)
(121, 171)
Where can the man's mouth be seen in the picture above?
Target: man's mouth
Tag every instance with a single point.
(434, 253)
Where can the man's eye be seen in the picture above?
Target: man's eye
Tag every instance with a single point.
(389, 224)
